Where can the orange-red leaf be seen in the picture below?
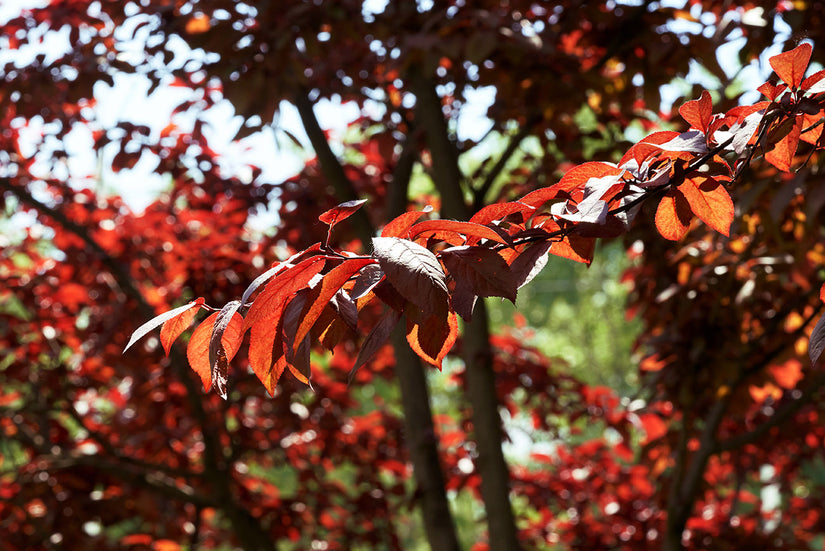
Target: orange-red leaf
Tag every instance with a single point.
(783, 152)
(673, 215)
(141, 331)
(172, 328)
(269, 303)
(398, 226)
(791, 66)
(264, 347)
(433, 337)
(466, 228)
(575, 247)
(198, 350)
(699, 112)
(647, 146)
(710, 201)
(579, 175)
(332, 282)
(341, 212)
(812, 136)
(499, 211)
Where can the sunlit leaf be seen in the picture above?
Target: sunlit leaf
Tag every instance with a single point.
(791, 65)
(141, 331)
(673, 215)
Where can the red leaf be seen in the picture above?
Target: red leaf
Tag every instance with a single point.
(398, 226)
(141, 331)
(375, 340)
(217, 351)
(500, 211)
(710, 201)
(771, 90)
(812, 136)
(539, 197)
(647, 146)
(699, 112)
(814, 84)
(783, 152)
(673, 215)
(791, 66)
(481, 269)
(172, 328)
(576, 248)
(277, 268)
(341, 212)
(465, 228)
(413, 271)
(198, 350)
(332, 282)
(265, 346)
(433, 337)
(579, 175)
(270, 302)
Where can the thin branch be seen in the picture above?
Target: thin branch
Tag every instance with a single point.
(481, 192)
(445, 170)
(781, 415)
(331, 166)
(155, 481)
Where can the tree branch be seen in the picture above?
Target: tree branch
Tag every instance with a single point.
(781, 415)
(422, 441)
(331, 167)
(480, 193)
(478, 355)
(248, 529)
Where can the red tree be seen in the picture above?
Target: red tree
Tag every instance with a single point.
(131, 445)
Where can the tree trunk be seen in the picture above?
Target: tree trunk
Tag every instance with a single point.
(478, 356)
(481, 390)
(423, 446)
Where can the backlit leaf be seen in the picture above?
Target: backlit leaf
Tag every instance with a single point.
(332, 282)
(465, 228)
(398, 226)
(341, 212)
(499, 211)
(172, 328)
(274, 270)
(784, 151)
(217, 354)
(791, 66)
(265, 348)
(710, 201)
(433, 337)
(269, 303)
(673, 215)
(141, 331)
(699, 112)
(197, 352)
